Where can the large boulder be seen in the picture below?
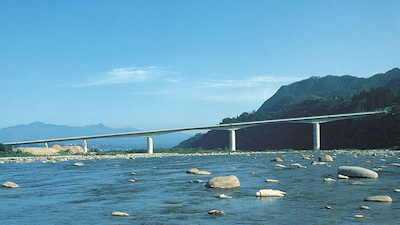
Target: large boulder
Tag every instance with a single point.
(378, 198)
(356, 171)
(223, 182)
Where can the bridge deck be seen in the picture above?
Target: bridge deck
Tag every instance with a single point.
(232, 126)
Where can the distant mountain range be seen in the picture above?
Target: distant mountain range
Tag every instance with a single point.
(40, 131)
(319, 96)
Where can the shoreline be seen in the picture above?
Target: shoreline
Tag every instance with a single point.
(63, 158)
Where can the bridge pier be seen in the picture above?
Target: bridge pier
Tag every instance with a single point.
(85, 146)
(317, 136)
(150, 145)
(232, 139)
(46, 144)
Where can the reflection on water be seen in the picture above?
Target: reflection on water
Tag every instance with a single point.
(61, 193)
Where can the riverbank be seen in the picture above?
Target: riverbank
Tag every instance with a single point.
(312, 154)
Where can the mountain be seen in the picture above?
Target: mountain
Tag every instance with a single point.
(328, 87)
(319, 96)
(41, 131)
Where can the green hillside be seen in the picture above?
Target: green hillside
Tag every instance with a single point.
(319, 96)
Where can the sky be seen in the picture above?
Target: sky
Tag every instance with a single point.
(179, 63)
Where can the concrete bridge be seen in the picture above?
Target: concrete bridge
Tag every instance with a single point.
(231, 128)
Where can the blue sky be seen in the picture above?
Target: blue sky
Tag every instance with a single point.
(169, 64)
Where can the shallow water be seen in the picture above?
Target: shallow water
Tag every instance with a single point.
(60, 193)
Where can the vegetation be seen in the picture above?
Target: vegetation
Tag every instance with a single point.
(6, 151)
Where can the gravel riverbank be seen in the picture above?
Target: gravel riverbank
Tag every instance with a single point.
(311, 154)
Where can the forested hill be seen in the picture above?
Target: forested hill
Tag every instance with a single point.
(328, 87)
(319, 96)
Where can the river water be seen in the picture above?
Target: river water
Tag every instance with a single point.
(61, 193)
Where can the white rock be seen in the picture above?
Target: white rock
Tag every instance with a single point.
(379, 198)
(329, 179)
(325, 158)
(9, 184)
(79, 164)
(202, 172)
(192, 170)
(270, 193)
(365, 207)
(356, 171)
(271, 180)
(340, 176)
(223, 182)
(280, 165)
(119, 214)
(224, 196)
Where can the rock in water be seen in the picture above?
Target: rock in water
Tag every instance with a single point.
(356, 171)
(217, 212)
(119, 214)
(193, 170)
(224, 196)
(270, 193)
(202, 172)
(271, 180)
(78, 164)
(277, 160)
(325, 158)
(340, 176)
(280, 165)
(329, 179)
(378, 198)
(223, 182)
(9, 184)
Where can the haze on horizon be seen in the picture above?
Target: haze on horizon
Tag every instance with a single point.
(168, 64)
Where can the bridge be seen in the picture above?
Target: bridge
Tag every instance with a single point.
(231, 128)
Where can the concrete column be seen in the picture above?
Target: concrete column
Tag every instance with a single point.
(150, 145)
(85, 148)
(46, 144)
(232, 140)
(317, 136)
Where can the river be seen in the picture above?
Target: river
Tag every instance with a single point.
(61, 193)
